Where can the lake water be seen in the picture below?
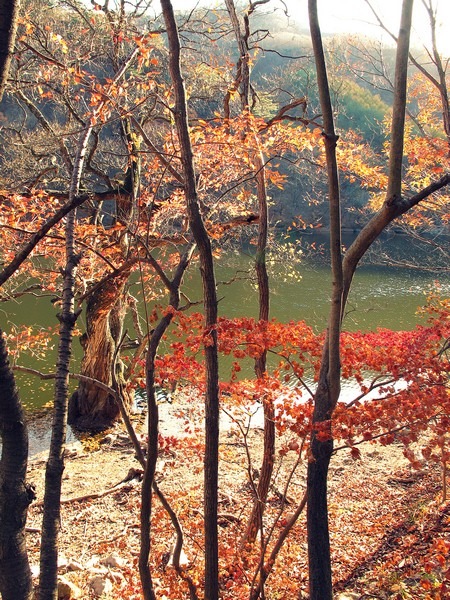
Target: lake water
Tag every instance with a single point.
(380, 297)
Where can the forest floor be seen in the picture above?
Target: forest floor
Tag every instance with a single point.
(390, 532)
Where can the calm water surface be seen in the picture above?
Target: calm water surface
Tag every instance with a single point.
(380, 297)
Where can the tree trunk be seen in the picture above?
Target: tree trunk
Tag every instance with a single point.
(152, 431)
(15, 493)
(328, 388)
(265, 477)
(242, 82)
(91, 408)
(319, 556)
(48, 576)
(211, 460)
(55, 463)
(9, 12)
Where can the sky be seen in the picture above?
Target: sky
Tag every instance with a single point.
(354, 16)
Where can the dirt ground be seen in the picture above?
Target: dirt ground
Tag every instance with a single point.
(390, 532)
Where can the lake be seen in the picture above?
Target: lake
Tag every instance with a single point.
(380, 297)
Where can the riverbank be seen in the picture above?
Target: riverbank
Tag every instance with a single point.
(387, 525)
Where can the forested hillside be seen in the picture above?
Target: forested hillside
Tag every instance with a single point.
(283, 71)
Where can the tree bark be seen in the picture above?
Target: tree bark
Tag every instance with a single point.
(153, 426)
(91, 408)
(15, 493)
(242, 82)
(48, 588)
(9, 12)
(328, 388)
(211, 460)
(268, 461)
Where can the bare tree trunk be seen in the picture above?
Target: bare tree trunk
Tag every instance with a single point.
(55, 464)
(242, 82)
(211, 460)
(153, 424)
(328, 388)
(15, 493)
(9, 12)
(395, 205)
(265, 475)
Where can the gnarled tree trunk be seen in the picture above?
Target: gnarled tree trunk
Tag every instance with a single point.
(90, 407)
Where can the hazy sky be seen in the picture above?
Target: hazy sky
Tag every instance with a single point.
(354, 16)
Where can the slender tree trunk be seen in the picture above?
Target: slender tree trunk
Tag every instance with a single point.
(265, 475)
(328, 388)
(153, 425)
(211, 460)
(394, 205)
(55, 464)
(15, 493)
(319, 557)
(242, 82)
(9, 13)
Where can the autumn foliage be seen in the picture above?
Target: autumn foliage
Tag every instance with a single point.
(395, 383)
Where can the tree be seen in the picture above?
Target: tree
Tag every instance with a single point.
(48, 587)
(106, 305)
(328, 386)
(201, 237)
(9, 13)
(243, 84)
(396, 204)
(55, 104)
(137, 220)
(15, 493)
(426, 135)
(148, 483)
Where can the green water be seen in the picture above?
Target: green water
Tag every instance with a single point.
(380, 297)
